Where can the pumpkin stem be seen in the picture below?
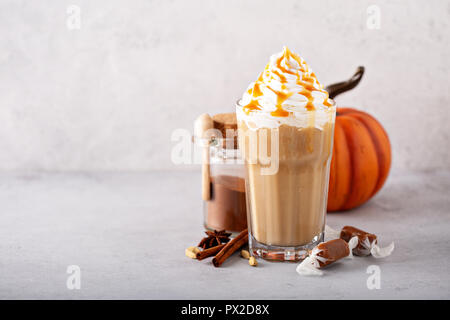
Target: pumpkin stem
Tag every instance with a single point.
(341, 87)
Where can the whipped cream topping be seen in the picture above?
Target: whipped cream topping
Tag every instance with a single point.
(286, 85)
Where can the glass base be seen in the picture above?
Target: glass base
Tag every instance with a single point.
(278, 253)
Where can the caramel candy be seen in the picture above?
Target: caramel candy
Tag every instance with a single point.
(351, 241)
(365, 240)
(326, 253)
(330, 251)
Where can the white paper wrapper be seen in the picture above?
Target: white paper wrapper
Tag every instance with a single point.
(365, 247)
(307, 268)
(352, 244)
(378, 252)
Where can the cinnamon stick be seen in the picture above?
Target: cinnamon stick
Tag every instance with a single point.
(230, 248)
(209, 252)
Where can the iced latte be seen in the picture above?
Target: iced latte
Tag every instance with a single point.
(286, 125)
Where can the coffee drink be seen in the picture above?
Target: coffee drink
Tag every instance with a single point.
(287, 207)
(286, 125)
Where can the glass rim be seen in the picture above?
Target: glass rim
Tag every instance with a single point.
(333, 105)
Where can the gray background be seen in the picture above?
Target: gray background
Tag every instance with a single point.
(108, 96)
(128, 232)
(86, 118)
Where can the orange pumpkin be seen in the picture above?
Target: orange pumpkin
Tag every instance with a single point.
(361, 159)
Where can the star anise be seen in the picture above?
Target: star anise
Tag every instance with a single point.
(214, 238)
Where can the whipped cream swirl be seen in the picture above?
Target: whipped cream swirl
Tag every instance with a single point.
(286, 86)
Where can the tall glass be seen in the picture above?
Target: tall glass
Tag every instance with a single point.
(287, 172)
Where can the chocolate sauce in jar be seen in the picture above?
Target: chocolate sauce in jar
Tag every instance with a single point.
(226, 209)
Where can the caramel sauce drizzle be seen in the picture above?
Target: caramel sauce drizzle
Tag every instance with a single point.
(257, 90)
(306, 80)
(281, 97)
(253, 105)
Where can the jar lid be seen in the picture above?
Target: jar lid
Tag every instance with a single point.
(226, 123)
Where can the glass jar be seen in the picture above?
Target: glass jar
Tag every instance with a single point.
(226, 209)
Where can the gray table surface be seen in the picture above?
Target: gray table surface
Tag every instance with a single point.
(128, 233)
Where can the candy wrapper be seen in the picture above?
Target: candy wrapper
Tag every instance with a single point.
(326, 253)
(367, 242)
